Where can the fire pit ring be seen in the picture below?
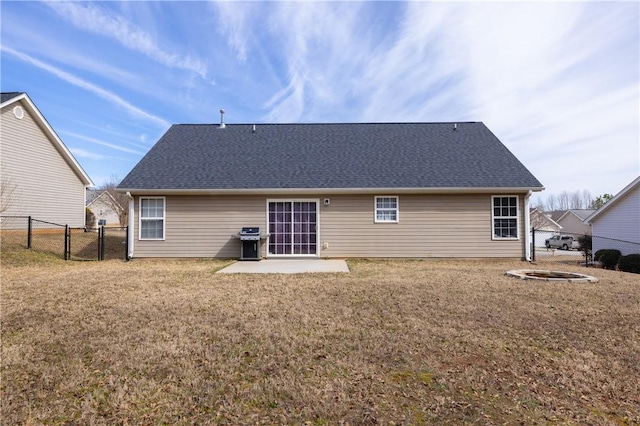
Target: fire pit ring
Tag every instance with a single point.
(546, 275)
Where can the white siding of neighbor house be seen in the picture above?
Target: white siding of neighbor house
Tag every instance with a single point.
(619, 226)
(45, 186)
(429, 226)
(103, 210)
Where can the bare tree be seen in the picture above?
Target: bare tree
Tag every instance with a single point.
(563, 200)
(7, 193)
(552, 203)
(118, 202)
(538, 219)
(575, 200)
(587, 199)
(568, 200)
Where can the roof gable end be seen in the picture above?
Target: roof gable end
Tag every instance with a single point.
(634, 184)
(9, 98)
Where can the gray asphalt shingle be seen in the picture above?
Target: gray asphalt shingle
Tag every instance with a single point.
(349, 155)
(5, 96)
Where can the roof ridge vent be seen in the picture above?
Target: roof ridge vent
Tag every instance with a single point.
(222, 125)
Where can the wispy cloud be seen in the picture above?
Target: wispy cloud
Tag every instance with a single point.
(102, 143)
(232, 23)
(324, 47)
(92, 18)
(79, 82)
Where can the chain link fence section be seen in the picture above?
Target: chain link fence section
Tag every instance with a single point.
(625, 247)
(100, 243)
(48, 237)
(115, 242)
(573, 251)
(14, 231)
(581, 251)
(83, 244)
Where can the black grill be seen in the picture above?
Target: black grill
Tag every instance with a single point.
(250, 243)
(250, 233)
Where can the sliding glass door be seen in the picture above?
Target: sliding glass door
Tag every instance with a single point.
(293, 227)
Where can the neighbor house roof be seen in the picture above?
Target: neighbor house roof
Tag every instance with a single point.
(543, 219)
(581, 214)
(9, 98)
(349, 157)
(94, 195)
(635, 183)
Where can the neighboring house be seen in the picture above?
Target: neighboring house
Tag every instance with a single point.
(331, 190)
(572, 222)
(45, 179)
(616, 225)
(544, 226)
(101, 204)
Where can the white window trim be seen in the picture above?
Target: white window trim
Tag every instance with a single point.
(164, 218)
(375, 209)
(517, 218)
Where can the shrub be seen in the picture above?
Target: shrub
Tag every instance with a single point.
(586, 243)
(608, 258)
(630, 263)
(89, 218)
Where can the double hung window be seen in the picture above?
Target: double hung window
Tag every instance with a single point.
(386, 210)
(152, 218)
(505, 217)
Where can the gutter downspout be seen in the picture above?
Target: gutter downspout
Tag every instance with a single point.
(131, 227)
(527, 228)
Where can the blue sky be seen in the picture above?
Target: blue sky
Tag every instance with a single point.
(557, 82)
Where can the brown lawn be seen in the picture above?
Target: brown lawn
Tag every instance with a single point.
(392, 342)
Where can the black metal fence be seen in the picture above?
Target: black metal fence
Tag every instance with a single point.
(580, 250)
(101, 243)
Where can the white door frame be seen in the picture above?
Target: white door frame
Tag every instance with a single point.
(317, 223)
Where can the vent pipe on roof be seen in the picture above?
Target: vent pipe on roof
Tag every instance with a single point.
(455, 126)
(254, 129)
(222, 126)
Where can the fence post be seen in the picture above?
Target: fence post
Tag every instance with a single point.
(101, 243)
(67, 243)
(126, 244)
(533, 244)
(29, 234)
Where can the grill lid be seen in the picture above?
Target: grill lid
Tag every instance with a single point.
(250, 230)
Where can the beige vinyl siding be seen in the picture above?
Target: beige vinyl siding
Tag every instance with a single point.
(46, 187)
(429, 226)
(202, 226)
(571, 224)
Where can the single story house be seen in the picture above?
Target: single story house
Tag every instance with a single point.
(40, 177)
(572, 222)
(384, 190)
(616, 225)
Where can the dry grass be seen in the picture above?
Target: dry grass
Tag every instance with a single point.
(393, 342)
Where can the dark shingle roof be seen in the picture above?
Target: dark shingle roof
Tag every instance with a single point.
(5, 96)
(337, 156)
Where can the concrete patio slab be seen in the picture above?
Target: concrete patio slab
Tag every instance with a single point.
(286, 266)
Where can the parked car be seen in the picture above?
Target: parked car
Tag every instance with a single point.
(564, 242)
